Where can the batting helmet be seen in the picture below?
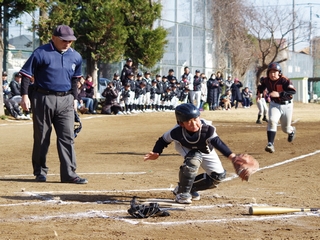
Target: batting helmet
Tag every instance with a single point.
(274, 66)
(186, 111)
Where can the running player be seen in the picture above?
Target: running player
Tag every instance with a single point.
(281, 91)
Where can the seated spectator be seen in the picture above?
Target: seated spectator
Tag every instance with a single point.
(110, 104)
(14, 109)
(246, 96)
(15, 93)
(226, 100)
(89, 86)
(81, 106)
(82, 95)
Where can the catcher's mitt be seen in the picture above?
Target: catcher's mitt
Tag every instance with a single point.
(77, 124)
(144, 211)
(245, 165)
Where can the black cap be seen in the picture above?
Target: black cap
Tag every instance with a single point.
(131, 74)
(4, 73)
(116, 75)
(164, 76)
(197, 71)
(158, 75)
(64, 32)
(147, 73)
(154, 81)
(171, 70)
(129, 60)
(17, 75)
(139, 74)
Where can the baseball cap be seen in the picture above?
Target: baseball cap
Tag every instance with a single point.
(171, 70)
(64, 32)
(129, 60)
(4, 73)
(197, 71)
(17, 75)
(139, 74)
(116, 75)
(147, 73)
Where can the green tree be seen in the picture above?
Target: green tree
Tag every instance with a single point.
(8, 11)
(97, 24)
(145, 44)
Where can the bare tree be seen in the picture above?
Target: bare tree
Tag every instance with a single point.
(234, 47)
(271, 28)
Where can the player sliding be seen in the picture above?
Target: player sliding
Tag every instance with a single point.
(281, 91)
(195, 140)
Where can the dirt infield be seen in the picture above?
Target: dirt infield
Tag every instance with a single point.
(110, 153)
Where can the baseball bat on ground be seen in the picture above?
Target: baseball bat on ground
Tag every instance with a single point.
(278, 210)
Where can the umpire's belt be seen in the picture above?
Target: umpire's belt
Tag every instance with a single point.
(282, 102)
(48, 92)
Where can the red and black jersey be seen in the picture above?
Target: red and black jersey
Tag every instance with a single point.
(283, 86)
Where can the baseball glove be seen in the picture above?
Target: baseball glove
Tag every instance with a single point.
(245, 165)
(138, 210)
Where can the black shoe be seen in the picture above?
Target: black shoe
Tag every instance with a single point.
(78, 180)
(265, 119)
(258, 121)
(41, 178)
(292, 135)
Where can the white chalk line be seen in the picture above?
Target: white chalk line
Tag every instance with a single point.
(37, 194)
(130, 220)
(92, 173)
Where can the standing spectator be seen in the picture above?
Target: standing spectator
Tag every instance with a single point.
(246, 96)
(159, 92)
(228, 83)
(126, 71)
(55, 67)
(204, 91)
(131, 80)
(213, 92)
(147, 101)
(153, 92)
(188, 79)
(125, 99)
(196, 93)
(236, 93)
(219, 78)
(118, 85)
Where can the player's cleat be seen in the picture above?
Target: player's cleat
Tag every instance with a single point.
(292, 135)
(269, 148)
(184, 198)
(265, 119)
(195, 196)
(258, 121)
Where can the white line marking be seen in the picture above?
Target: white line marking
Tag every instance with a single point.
(102, 173)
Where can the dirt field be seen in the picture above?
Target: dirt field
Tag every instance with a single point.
(110, 153)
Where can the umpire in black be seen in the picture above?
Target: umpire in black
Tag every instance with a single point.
(56, 68)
